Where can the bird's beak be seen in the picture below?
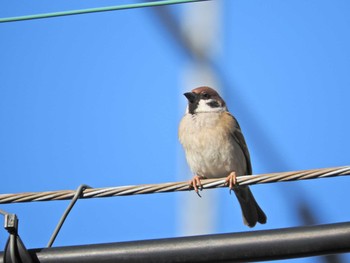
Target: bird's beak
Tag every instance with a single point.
(191, 96)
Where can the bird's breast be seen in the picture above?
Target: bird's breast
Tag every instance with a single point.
(209, 146)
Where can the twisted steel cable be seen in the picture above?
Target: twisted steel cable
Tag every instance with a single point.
(174, 186)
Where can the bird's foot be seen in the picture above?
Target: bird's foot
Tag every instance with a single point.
(231, 181)
(196, 184)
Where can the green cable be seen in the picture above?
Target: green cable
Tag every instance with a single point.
(98, 9)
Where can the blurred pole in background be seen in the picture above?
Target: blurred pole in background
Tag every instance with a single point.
(200, 26)
(198, 39)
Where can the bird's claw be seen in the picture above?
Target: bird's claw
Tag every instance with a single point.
(196, 184)
(231, 181)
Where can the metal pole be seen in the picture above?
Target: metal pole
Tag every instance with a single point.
(237, 247)
(199, 26)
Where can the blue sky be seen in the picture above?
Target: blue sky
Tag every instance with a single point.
(97, 99)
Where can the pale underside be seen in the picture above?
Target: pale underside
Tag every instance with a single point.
(208, 152)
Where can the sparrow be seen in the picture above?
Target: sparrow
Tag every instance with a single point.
(215, 147)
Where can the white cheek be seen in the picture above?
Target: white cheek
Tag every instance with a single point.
(204, 107)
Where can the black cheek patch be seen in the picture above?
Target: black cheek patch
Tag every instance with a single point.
(213, 104)
(192, 106)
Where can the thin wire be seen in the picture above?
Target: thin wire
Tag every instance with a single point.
(76, 196)
(4, 213)
(98, 9)
(175, 186)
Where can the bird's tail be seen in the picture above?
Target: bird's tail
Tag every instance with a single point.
(251, 211)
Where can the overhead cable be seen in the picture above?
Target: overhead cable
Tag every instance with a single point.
(249, 246)
(97, 9)
(174, 186)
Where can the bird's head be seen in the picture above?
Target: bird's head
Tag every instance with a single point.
(204, 99)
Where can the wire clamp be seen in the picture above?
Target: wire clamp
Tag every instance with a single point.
(14, 251)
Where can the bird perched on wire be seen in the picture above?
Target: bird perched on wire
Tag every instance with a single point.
(215, 147)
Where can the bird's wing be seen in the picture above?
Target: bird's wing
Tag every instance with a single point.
(239, 138)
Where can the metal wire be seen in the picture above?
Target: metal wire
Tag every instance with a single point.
(4, 213)
(175, 186)
(98, 9)
(76, 196)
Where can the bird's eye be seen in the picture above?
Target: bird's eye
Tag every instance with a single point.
(205, 95)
